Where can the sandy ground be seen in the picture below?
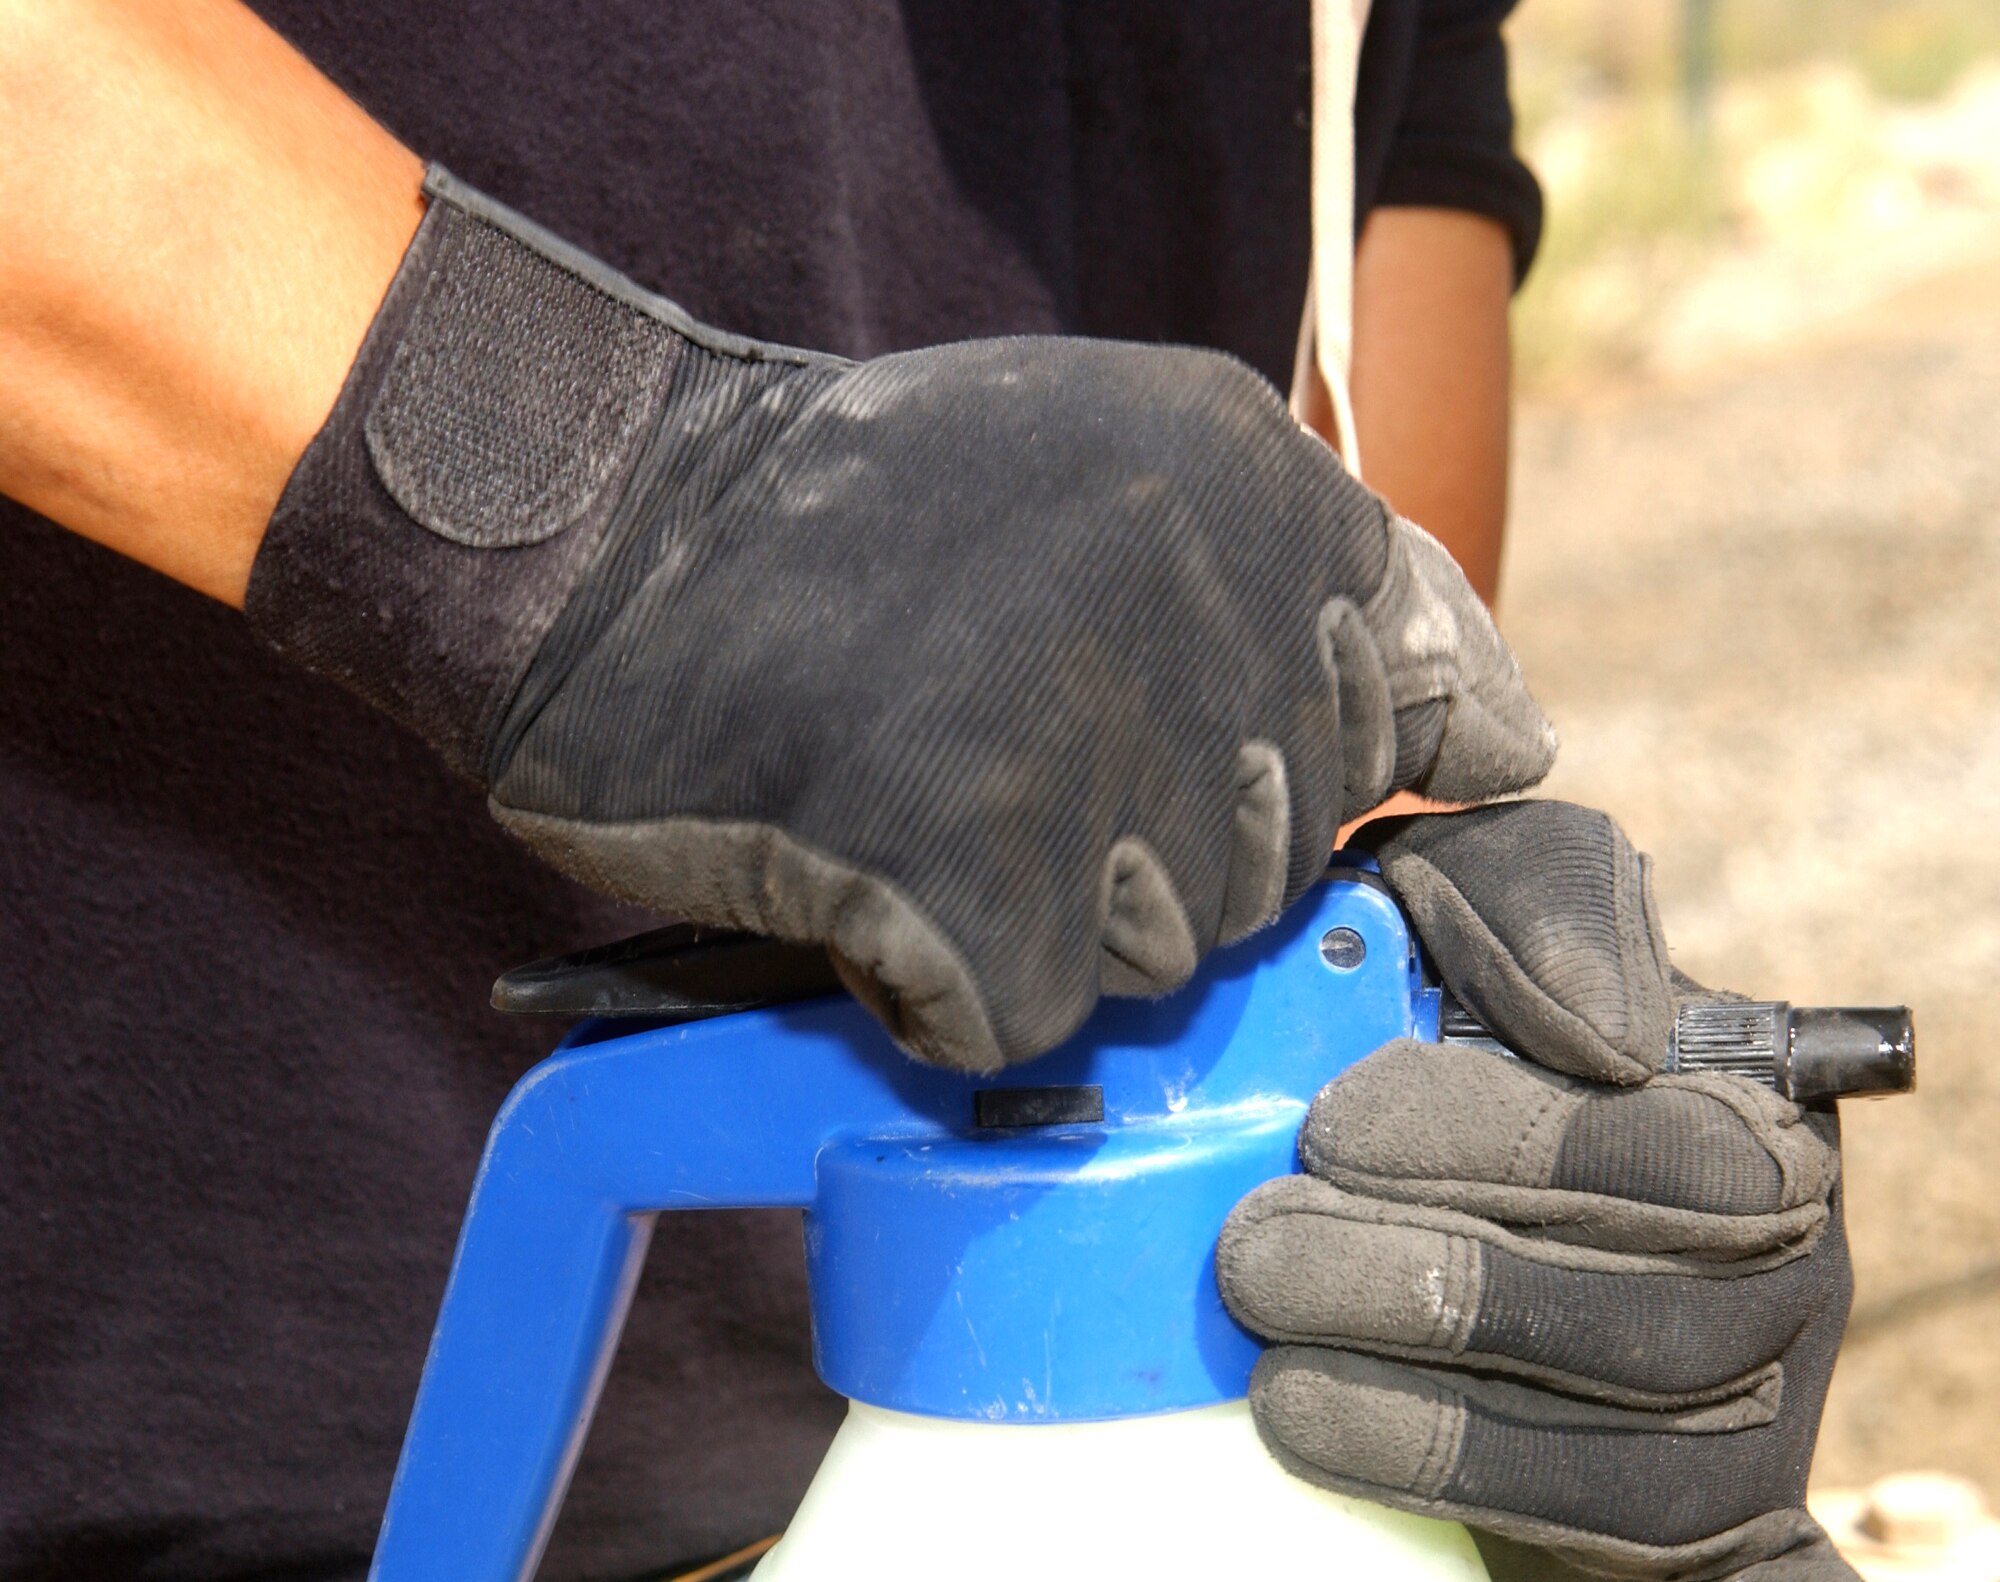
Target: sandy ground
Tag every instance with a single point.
(1763, 607)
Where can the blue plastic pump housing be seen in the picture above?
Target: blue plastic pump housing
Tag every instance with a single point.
(1037, 1246)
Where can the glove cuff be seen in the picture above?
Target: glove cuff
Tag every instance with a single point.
(471, 468)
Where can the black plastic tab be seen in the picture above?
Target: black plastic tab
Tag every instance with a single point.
(678, 974)
(1067, 1106)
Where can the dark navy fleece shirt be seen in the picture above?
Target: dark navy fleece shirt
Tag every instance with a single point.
(247, 927)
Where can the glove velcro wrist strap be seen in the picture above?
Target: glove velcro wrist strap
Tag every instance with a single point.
(446, 511)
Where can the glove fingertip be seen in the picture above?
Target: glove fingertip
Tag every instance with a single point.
(1489, 747)
(1148, 944)
(1260, 843)
(1540, 918)
(1348, 1419)
(1438, 643)
(1367, 713)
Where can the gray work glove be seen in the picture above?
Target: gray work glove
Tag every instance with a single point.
(1015, 672)
(1588, 1309)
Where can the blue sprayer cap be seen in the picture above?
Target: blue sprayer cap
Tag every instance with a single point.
(1035, 1246)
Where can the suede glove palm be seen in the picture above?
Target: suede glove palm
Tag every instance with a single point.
(1014, 672)
(1585, 1307)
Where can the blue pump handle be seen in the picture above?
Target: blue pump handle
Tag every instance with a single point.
(1041, 1273)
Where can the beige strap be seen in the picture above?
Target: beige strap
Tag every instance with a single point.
(731, 1565)
(1326, 333)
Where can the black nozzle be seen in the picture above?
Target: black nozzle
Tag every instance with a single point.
(1808, 1053)
(1850, 1052)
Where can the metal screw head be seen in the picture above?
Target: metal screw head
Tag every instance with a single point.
(1342, 949)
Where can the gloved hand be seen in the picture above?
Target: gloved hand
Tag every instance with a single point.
(1586, 1308)
(1013, 671)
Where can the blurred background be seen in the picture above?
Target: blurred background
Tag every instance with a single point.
(1754, 575)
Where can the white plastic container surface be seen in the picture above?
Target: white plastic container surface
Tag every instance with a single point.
(1184, 1494)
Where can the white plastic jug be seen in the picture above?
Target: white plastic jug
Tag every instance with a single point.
(1180, 1495)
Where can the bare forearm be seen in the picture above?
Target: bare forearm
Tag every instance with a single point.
(1431, 386)
(195, 230)
(1431, 376)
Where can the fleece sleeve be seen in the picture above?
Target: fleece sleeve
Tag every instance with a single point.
(1445, 125)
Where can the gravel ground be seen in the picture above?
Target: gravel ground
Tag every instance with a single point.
(1763, 607)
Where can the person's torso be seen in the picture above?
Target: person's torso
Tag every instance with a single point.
(249, 925)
